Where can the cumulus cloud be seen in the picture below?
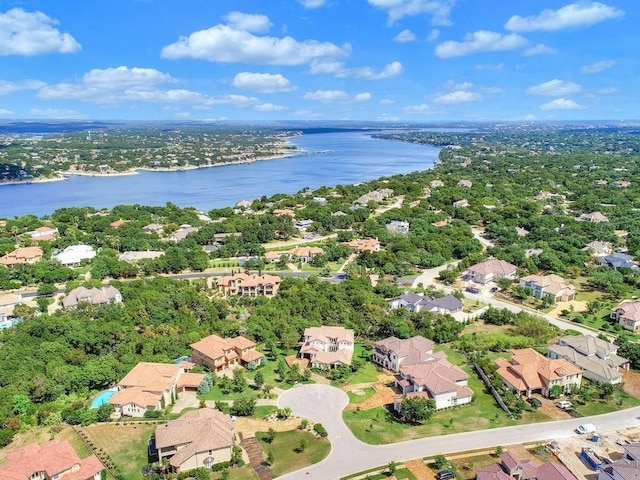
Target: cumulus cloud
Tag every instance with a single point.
(579, 14)
(597, 67)
(397, 9)
(33, 33)
(312, 3)
(336, 96)
(480, 41)
(386, 101)
(561, 104)
(416, 109)
(539, 49)
(433, 35)
(248, 22)
(235, 43)
(7, 87)
(458, 96)
(339, 70)
(554, 88)
(56, 113)
(269, 107)
(405, 36)
(262, 82)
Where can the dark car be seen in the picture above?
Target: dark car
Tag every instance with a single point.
(534, 402)
(446, 475)
(494, 290)
(472, 290)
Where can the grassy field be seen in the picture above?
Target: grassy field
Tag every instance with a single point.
(243, 473)
(361, 396)
(126, 444)
(287, 455)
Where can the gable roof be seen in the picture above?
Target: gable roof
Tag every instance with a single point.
(411, 350)
(94, 296)
(21, 255)
(629, 310)
(324, 333)
(553, 284)
(494, 266)
(153, 377)
(436, 374)
(215, 346)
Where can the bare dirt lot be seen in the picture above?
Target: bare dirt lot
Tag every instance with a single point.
(631, 383)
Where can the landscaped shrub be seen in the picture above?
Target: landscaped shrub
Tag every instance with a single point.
(320, 430)
(153, 414)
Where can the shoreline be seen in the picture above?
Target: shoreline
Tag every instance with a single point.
(34, 180)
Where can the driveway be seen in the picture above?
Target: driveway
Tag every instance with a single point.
(324, 404)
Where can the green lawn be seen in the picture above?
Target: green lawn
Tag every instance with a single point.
(287, 455)
(361, 396)
(243, 473)
(400, 473)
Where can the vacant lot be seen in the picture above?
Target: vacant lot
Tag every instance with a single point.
(293, 450)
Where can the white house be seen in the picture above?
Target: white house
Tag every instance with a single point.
(75, 254)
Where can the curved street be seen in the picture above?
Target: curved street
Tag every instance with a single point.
(324, 404)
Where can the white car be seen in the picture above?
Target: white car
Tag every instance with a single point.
(586, 428)
(564, 404)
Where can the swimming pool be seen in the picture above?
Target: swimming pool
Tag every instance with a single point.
(102, 398)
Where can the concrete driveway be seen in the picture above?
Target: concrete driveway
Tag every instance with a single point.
(324, 404)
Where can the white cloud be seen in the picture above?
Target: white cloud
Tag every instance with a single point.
(262, 82)
(248, 22)
(597, 67)
(385, 117)
(336, 96)
(539, 49)
(490, 66)
(339, 70)
(386, 101)
(554, 88)
(33, 33)
(306, 114)
(579, 14)
(480, 41)
(433, 35)
(230, 44)
(608, 90)
(55, 113)
(561, 104)
(269, 107)
(416, 109)
(7, 87)
(6, 113)
(405, 36)
(397, 9)
(312, 3)
(458, 96)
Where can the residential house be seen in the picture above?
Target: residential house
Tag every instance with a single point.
(618, 260)
(530, 372)
(593, 217)
(511, 467)
(376, 196)
(416, 302)
(365, 245)
(7, 304)
(253, 285)
(304, 254)
(436, 183)
(156, 228)
(393, 352)
(436, 378)
(522, 232)
(150, 386)
(133, 257)
(627, 314)
(327, 347)
(21, 256)
(303, 224)
(461, 203)
(199, 438)
(53, 460)
(279, 212)
(491, 270)
(597, 358)
(320, 200)
(182, 232)
(217, 353)
(73, 255)
(244, 204)
(550, 286)
(543, 195)
(621, 184)
(598, 248)
(625, 468)
(465, 183)
(397, 226)
(93, 296)
(43, 233)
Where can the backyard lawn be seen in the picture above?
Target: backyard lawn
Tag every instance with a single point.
(287, 452)
(243, 473)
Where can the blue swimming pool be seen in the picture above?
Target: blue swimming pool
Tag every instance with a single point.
(102, 398)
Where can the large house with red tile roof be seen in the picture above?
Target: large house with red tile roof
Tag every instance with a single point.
(253, 285)
(22, 255)
(217, 353)
(365, 245)
(199, 438)
(436, 378)
(491, 270)
(531, 372)
(152, 386)
(54, 460)
(327, 347)
(549, 286)
(627, 314)
(43, 233)
(511, 467)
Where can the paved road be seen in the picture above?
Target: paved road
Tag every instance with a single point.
(322, 403)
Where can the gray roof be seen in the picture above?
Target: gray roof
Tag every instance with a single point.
(412, 350)
(94, 296)
(448, 302)
(594, 367)
(589, 345)
(624, 468)
(618, 260)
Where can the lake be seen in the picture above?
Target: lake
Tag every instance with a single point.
(332, 159)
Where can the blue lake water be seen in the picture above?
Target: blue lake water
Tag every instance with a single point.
(333, 159)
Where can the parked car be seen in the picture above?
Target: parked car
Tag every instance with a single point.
(446, 475)
(472, 290)
(494, 290)
(586, 428)
(564, 404)
(534, 402)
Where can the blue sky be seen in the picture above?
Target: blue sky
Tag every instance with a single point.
(404, 60)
